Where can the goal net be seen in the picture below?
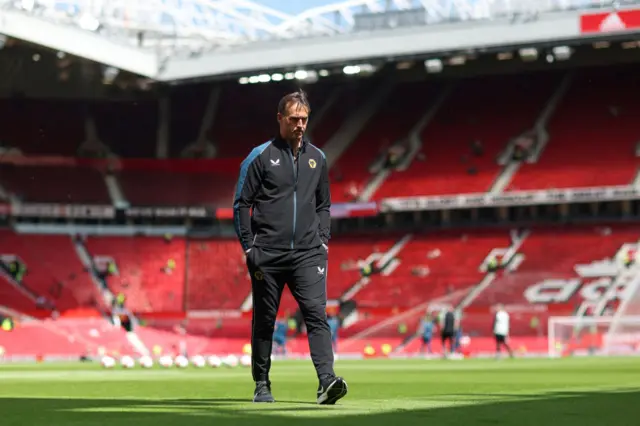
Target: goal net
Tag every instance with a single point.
(578, 336)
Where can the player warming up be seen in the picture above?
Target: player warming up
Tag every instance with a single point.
(280, 337)
(286, 183)
(447, 332)
(426, 333)
(501, 330)
(334, 326)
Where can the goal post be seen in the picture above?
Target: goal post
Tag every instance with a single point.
(615, 335)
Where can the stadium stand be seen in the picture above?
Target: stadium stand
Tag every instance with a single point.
(241, 123)
(54, 270)
(161, 188)
(217, 275)
(44, 127)
(129, 128)
(218, 279)
(350, 97)
(592, 130)
(432, 266)
(392, 122)
(348, 256)
(245, 123)
(429, 266)
(475, 112)
(55, 184)
(452, 259)
(14, 297)
(235, 134)
(546, 256)
(188, 107)
(455, 169)
(593, 142)
(144, 274)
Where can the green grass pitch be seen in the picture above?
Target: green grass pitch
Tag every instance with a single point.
(521, 392)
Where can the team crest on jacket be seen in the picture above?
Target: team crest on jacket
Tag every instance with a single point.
(312, 163)
(258, 275)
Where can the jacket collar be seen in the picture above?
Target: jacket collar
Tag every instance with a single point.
(281, 143)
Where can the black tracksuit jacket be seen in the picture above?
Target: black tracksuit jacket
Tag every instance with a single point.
(290, 199)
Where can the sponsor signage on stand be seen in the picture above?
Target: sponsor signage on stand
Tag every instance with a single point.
(168, 212)
(71, 211)
(608, 22)
(511, 198)
(343, 210)
(338, 210)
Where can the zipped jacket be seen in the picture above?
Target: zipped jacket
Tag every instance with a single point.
(289, 196)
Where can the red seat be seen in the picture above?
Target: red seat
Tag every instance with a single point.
(593, 135)
(392, 123)
(452, 259)
(548, 254)
(218, 277)
(141, 262)
(156, 188)
(53, 268)
(490, 110)
(55, 184)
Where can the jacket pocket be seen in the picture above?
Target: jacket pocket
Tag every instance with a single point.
(252, 257)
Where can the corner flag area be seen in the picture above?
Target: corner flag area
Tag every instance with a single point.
(522, 392)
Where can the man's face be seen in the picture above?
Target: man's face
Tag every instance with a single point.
(293, 122)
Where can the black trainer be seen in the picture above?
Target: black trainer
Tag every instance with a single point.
(263, 392)
(331, 390)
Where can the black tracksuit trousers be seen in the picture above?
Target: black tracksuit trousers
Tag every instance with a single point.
(304, 271)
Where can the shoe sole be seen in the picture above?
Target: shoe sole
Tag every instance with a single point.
(336, 391)
(267, 401)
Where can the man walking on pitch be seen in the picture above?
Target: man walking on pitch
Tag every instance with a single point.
(286, 183)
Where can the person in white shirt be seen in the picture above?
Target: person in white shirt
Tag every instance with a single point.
(501, 330)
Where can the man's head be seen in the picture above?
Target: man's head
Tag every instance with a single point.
(500, 307)
(293, 115)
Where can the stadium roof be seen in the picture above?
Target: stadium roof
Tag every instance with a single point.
(294, 7)
(182, 39)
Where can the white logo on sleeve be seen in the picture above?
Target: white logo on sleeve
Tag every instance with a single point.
(320, 271)
(275, 162)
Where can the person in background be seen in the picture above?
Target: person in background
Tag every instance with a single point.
(170, 266)
(476, 148)
(280, 337)
(448, 331)
(501, 330)
(493, 264)
(334, 325)
(122, 317)
(18, 270)
(426, 332)
(366, 270)
(112, 268)
(6, 324)
(458, 332)
(181, 331)
(109, 270)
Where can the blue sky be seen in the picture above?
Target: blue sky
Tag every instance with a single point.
(294, 6)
